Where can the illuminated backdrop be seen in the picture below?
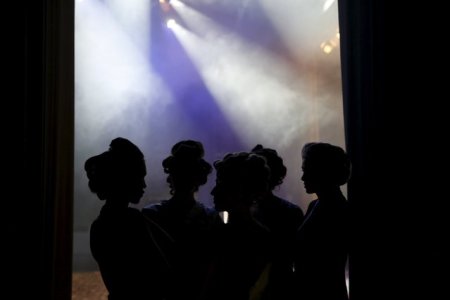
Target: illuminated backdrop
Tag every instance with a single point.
(230, 74)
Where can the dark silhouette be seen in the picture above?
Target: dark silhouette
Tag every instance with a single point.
(283, 218)
(189, 222)
(322, 241)
(131, 265)
(244, 246)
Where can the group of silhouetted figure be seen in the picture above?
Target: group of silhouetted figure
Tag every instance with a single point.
(179, 249)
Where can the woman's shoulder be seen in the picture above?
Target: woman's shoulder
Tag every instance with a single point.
(156, 208)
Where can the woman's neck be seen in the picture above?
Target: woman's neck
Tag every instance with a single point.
(329, 192)
(116, 204)
(184, 198)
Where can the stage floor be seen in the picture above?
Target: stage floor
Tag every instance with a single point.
(88, 286)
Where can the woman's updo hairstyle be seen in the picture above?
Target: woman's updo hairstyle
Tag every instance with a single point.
(107, 170)
(186, 165)
(275, 162)
(247, 172)
(328, 162)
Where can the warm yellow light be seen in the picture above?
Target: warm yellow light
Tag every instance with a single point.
(165, 5)
(327, 49)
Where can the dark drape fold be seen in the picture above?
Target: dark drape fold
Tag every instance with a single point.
(39, 144)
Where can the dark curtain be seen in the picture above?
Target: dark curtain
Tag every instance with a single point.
(390, 52)
(38, 161)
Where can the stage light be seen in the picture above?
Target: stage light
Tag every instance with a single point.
(176, 3)
(326, 47)
(171, 23)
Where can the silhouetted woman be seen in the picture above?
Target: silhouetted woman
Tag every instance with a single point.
(188, 221)
(322, 243)
(244, 246)
(283, 219)
(121, 242)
